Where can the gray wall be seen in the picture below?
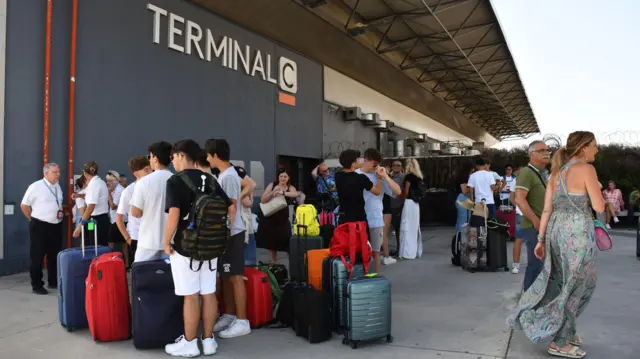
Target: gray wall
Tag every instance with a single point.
(131, 92)
(339, 135)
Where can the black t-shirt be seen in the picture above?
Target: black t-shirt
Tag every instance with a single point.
(415, 183)
(241, 171)
(350, 187)
(180, 196)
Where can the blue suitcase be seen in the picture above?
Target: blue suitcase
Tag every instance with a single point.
(156, 310)
(367, 307)
(73, 268)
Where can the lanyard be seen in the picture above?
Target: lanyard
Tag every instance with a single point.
(55, 194)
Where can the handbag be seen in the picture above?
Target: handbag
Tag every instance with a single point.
(274, 205)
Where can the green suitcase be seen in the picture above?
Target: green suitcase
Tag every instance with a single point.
(367, 308)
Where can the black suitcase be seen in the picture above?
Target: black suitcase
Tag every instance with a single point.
(298, 247)
(312, 314)
(497, 237)
(326, 232)
(156, 310)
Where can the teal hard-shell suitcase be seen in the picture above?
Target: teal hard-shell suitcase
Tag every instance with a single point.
(367, 307)
(335, 277)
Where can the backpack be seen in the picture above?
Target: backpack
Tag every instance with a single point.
(307, 221)
(207, 234)
(351, 239)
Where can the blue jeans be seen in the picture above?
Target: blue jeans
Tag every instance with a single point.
(534, 266)
(492, 210)
(463, 213)
(250, 258)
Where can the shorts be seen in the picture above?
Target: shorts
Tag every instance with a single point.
(232, 261)
(386, 204)
(518, 223)
(188, 280)
(376, 237)
(114, 234)
(145, 255)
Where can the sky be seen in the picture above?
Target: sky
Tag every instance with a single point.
(578, 61)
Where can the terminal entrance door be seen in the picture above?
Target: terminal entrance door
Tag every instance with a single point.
(299, 168)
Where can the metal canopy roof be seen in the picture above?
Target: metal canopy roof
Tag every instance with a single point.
(455, 49)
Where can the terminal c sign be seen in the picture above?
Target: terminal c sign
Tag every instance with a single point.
(231, 54)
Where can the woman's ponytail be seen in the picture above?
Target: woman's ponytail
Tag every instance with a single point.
(559, 160)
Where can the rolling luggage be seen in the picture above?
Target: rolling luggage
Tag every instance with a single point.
(508, 214)
(473, 248)
(259, 300)
(312, 319)
(497, 237)
(156, 309)
(73, 268)
(315, 257)
(455, 249)
(298, 247)
(107, 299)
(326, 232)
(335, 277)
(367, 310)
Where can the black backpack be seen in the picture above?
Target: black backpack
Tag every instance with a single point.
(207, 235)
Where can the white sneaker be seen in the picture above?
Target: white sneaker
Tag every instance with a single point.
(209, 346)
(608, 226)
(183, 348)
(223, 322)
(389, 260)
(515, 268)
(615, 219)
(239, 328)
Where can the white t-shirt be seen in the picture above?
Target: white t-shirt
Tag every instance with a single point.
(124, 208)
(80, 202)
(97, 194)
(232, 186)
(481, 182)
(117, 193)
(149, 196)
(509, 187)
(513, 189)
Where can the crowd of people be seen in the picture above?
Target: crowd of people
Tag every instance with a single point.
(148, 218)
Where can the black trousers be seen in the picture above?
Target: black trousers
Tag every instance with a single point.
(396, 218)
(104, 226)
(46, 240)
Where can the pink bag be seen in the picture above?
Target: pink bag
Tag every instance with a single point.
(603, 238)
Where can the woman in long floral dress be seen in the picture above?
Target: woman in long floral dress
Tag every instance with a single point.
(549, 308)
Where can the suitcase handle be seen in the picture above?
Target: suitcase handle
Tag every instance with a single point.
(95, 237)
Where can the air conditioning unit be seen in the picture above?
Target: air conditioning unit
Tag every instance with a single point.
(385, 126)
(371, 119)
(414, 147)
(432, 147)
(399, 148)
(421, 137)
(453, 151)
(472, 153)
(352, 114)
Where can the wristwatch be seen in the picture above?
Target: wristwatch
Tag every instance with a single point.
(540, 239)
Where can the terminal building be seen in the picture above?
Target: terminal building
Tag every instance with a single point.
(287, 82)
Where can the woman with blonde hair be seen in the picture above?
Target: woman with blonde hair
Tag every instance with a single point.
(549, 308)
(413, 192)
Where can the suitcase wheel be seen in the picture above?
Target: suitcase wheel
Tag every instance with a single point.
(506, 269)
(345, 341)
(389, 339)
(354, 345)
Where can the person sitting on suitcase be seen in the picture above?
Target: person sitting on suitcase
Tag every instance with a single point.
(234, 322)
(373, 205)
(198, 210)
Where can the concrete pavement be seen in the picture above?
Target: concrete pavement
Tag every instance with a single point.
(439, 311)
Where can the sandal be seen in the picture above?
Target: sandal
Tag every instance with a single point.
(577, 341)
(573, 353)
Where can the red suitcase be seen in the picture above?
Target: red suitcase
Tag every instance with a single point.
(508, 213)
(107, 299)
(259, 302)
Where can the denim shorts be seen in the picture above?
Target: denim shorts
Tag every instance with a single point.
(518, 223)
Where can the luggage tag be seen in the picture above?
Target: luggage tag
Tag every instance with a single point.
(90, 226)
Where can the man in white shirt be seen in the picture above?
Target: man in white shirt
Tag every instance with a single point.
(148, 202)
(140, 167)
(234, 322)
(42, 205)
(481, 185)
(373, 203)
